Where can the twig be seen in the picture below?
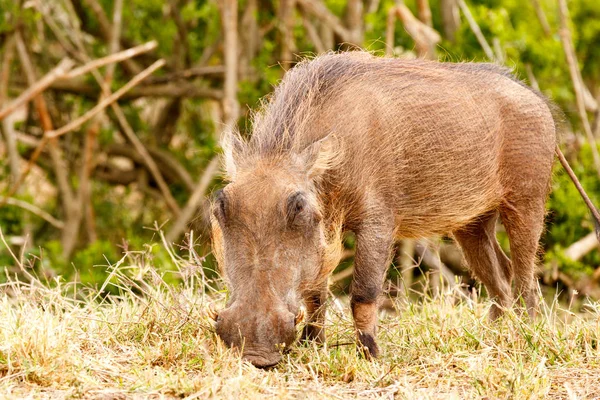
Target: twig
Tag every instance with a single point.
(194, 72)
(171, 89)
(578, 87)
(354, 20)
(7, 125)
(106, 31)
(541, 15)
(130, 134)
(89, 144)
(424, 12)
(476, 30)
(531, 77)
(69, 232)
(586, 199)
(107, 101)
(326, 17)
(433, 260)
(58, 72)
(194, 201)
(182, 47)
(286, 25)
(36, 211)
(312, 33)
(63, 72)
(111, 59)
(424, 36)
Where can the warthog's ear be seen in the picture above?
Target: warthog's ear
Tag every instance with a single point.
(321, 155)
(233, 146)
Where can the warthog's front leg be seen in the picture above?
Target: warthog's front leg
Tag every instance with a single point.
(373, 252)
(315, 310)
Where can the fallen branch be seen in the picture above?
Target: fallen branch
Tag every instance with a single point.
(583, 246)
(433, 260)
(107, 101)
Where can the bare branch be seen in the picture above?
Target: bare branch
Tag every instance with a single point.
(424, 36)
(588, 202)
(476, 30)
(106, 31)
(89, 145)
(230, 103)
(107, 101)
(190, 73)
(319, 10)
(63, 72)
(450, 18)
(7, 125)
(36, 211)
(286, 26)
(578, 86)
(312, 33)
(354, 21)
(182, 47)
(38, 87)
(531, 77)
(194, 201)
(424, 12)
(111, 59)
(541, 15)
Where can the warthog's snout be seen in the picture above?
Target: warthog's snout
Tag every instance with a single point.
(260, 336)
(262, 359)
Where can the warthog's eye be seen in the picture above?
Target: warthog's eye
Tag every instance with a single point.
(298, 210)
(220, 208)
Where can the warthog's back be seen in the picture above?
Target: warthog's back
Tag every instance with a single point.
(440, 144)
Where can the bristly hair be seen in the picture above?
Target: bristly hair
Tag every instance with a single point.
(305, 87)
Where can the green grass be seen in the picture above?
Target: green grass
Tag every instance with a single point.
(60, 340)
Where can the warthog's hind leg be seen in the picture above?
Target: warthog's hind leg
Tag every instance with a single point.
(487, 260)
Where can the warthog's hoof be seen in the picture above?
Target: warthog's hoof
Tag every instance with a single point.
(313, 333)
(367, 346)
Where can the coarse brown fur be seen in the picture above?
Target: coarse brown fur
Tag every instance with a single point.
(386, 148)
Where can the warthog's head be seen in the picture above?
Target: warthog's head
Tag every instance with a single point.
(271, 244)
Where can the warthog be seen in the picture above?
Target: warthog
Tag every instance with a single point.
(385, 148)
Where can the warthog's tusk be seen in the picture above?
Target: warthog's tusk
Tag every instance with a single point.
(299, 316)
(212, 312)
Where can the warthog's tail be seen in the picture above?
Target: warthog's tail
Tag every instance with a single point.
(586, 198)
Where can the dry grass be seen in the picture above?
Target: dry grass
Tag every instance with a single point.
(155, 340)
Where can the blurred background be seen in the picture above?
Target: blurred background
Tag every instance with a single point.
(105, 151)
